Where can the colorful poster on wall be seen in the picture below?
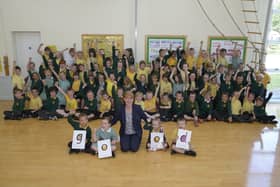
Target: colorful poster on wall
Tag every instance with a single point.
(102, 41)
(156, 42)
(228, 43)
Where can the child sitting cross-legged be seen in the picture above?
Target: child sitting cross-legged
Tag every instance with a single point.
(156, 127)
(103, 133)
(181, 124)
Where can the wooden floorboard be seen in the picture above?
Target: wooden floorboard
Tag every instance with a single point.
(34, 153)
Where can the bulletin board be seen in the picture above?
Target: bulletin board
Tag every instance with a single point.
(228, 43)
(154, 43)
(102, 41)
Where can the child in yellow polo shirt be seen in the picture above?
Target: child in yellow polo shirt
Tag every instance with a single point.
(181, 124)
(71, 102)
(165, 84)
(139, 100)
(236, 107)
(248, 105)
(17, 79)
(111, 83)
(190, 57)
(105, 106)
(80, 58)
(143, 70)
(34, 105)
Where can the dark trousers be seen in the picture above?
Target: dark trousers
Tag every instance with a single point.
(165, 114)
(12, 115)
(265, 119)
(220, 116)
(240, 118)
(130, 142)
(46, 115)
(30, 113)
(87, 147)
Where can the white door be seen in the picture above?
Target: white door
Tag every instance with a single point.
(26, 44)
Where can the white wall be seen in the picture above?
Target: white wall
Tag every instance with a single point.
(62, 22)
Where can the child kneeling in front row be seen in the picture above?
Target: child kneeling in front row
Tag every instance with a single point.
(156, 127)
(103, 133)
(82, 124)
(181, 124)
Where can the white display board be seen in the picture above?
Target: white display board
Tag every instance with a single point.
(104, 148)
(184, 138)
(228, 43)
(156, 42)
(79, 139)
(157, 140)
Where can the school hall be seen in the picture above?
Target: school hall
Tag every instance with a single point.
(139, 93)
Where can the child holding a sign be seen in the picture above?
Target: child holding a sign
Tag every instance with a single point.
(156, 139)
(181, 142)
(82, 124)
(103, 133)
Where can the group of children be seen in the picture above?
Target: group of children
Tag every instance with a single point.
(176, 85)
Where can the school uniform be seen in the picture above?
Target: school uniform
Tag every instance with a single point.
(76, 126)
(262, 116)
(190, 107)
(222, 111)
(102, 134)
(149, 138)
(205, 107)
(178, 108)
(17, 109)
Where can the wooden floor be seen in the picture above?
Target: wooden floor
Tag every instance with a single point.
(34, 153)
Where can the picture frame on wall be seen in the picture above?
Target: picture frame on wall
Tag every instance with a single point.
(153, 43)
(228, 43)
(102, 41)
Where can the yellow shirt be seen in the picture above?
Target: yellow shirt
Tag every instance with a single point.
(200, 61)
(165, 87)
(76, 85)
(150, 105)
(247, 106)
(17, 81)
(213, 89)
(35, 103)
(140, 103)
(71, 104)
(190, 62)
(171, 61)
(235, 106)
(99, 59)
(109, 87)
(131, 76)
(266, 79)
(105, 105)
(144, 71)
(223, 61)
(80, 61)
(192, 85)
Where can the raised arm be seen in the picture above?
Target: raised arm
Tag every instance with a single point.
(60, 89)
(171, 75)
(39, 51)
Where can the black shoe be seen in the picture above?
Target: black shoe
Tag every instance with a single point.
(172, 152)
(113, 154)
(190, 153)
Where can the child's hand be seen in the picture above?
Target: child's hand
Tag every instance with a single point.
(230, 119)
(44, 82)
